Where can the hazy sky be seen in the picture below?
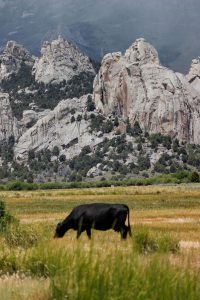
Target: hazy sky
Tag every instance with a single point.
(100, 26)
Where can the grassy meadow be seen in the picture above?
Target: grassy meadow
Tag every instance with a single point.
(161, 261)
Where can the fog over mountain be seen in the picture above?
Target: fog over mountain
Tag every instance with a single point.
(101, 26)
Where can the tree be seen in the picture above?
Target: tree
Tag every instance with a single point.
(175, 145)
(108, 126)
(72, 119)
(55, 151)
(90, 104)
(31, 155)
(30, 177)
(137, 129)
(139, 147)
(195, 177)
(86, 150)
(116, 122)
(79, 118)
(144, 163)
(62, 158)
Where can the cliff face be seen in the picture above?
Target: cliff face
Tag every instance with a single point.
(12, 59)
(133, 85)
(138, 87)
(60, 61)
(58, 129)
(8, 123)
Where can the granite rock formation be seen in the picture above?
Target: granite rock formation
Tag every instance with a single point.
(60, 61)
(8, 123)
(58, 129)
(12, 59)
(194, 74)
(137, 87)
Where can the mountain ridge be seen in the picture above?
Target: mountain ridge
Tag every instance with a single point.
(132, 122)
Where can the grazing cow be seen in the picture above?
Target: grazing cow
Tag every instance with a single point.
(99, 216)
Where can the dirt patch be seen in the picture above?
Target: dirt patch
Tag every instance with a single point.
(166, 220)
(189, 245)
(37, 220)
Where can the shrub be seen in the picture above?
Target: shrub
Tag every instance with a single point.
(21, 236)
(5, 217)
(55, 151)
(21, 186)
(159, 168)
(175, 146)
(107, 126)
(195, 177)
(168, 244)
(62, 158)
(144, 162)
(144, 243)
(90, 104)
(73, 119)
(79, 118)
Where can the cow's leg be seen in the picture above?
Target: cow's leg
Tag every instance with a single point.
(88, 230)
(124, 231)
(78, 233)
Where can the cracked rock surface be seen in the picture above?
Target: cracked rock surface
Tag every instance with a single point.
(137, 87)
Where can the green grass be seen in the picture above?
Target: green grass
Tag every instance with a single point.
(91, 271)
(177, 178)
(145, 198)
(150, 266)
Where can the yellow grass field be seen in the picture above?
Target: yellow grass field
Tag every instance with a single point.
(161, 210)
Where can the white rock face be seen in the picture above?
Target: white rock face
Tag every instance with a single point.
(60, 61)
(137, 86)
(31, 116)
(12, 59)
(194, 74)
(8, 123)
(56, 129)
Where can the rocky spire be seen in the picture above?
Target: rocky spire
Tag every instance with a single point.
(12, 59)
(142, 52)
(194, 74)
(60, 60)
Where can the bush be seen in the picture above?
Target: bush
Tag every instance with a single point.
(20, 236)
(62, 158)
(5, 217)
(73, 119)
(168, 244)
(195, 177)
(144, 243)
(90, 104)
(21, 186)
(144, 162)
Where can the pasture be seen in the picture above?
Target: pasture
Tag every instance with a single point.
(161, 261)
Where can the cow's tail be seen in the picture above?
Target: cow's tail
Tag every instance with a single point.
(129, 226)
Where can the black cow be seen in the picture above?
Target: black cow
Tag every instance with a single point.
(99, 216)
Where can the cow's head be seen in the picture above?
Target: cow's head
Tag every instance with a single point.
(59, 233)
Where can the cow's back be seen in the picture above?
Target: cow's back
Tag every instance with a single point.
(100, 216)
